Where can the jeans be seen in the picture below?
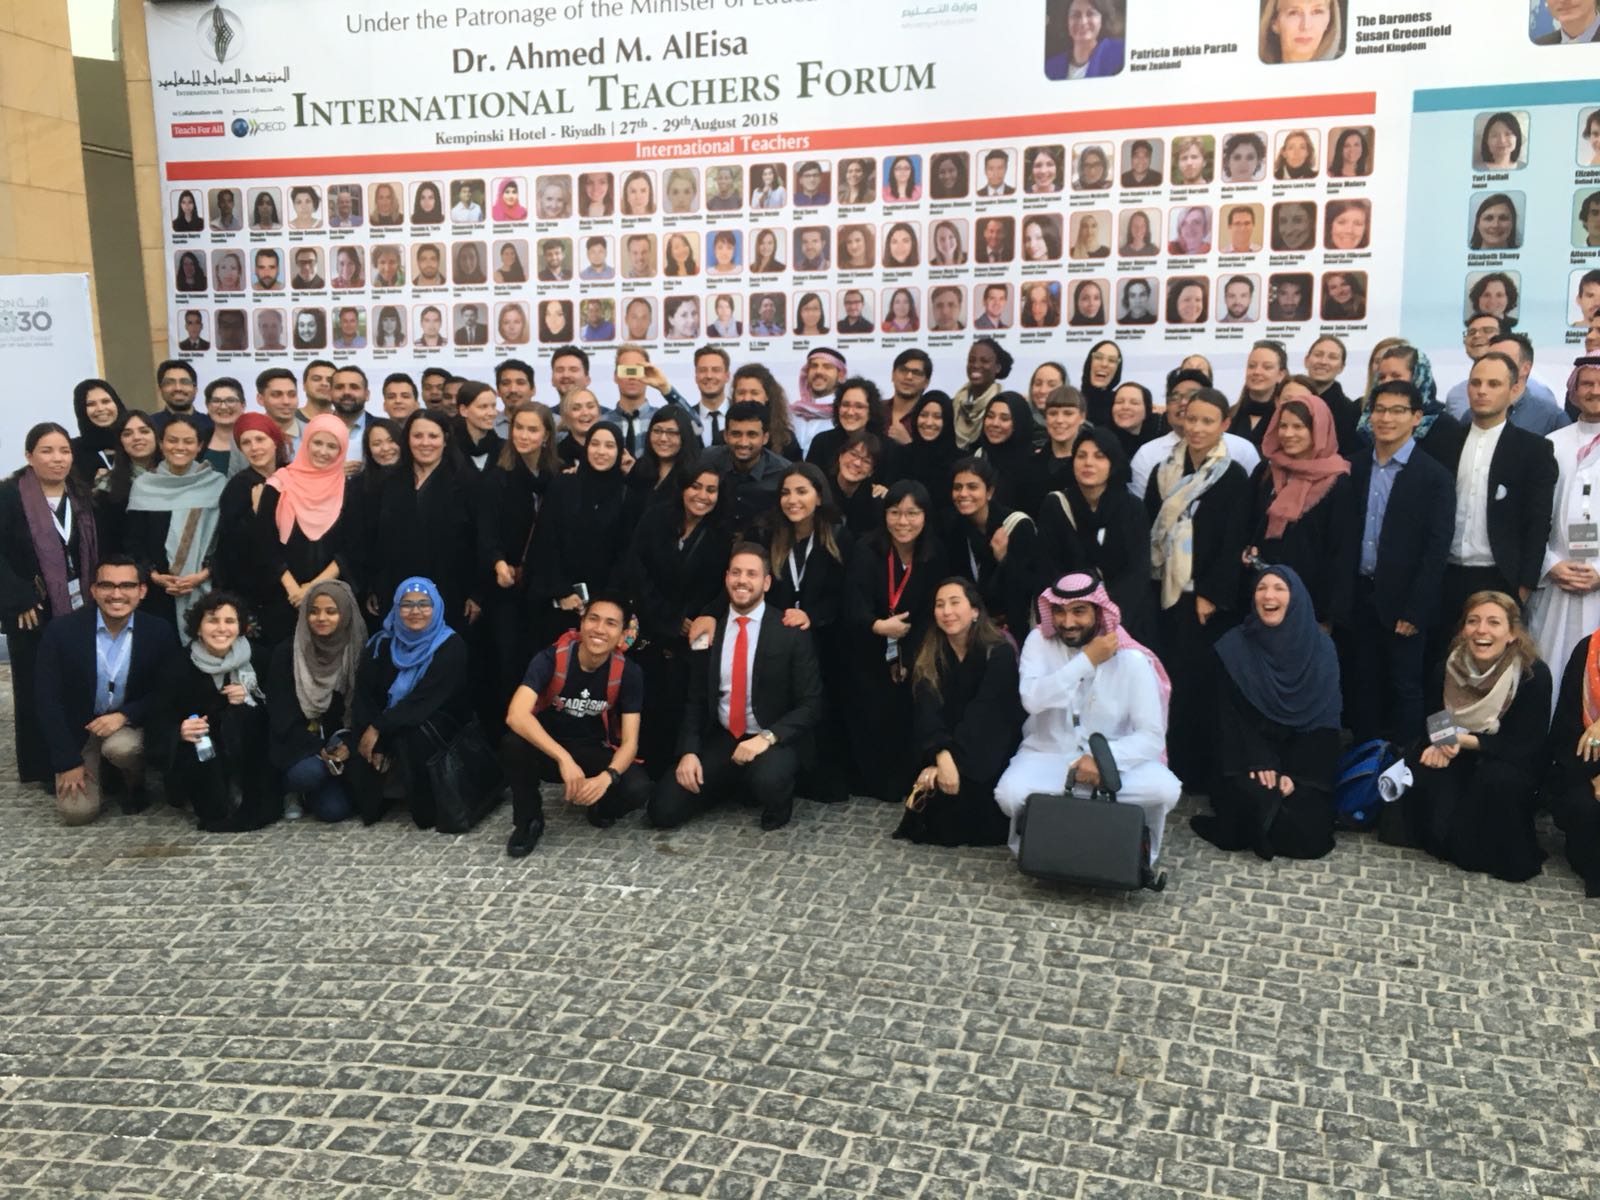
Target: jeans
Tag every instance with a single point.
(326, 795)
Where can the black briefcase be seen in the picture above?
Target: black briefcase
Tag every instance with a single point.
(1093, 841)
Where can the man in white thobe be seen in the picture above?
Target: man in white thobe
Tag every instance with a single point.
(1565, 608)
(1082, 674)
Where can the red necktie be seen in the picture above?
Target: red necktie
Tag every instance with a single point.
(736, 689)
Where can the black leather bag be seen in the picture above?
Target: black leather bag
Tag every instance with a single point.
(1092, 841)
(466, 777)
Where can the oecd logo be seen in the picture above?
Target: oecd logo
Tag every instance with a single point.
(221, 33)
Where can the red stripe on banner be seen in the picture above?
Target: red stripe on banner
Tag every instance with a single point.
(1281, 108)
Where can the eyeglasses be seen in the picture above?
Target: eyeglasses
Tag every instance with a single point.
(416, 605)
(105, 585)
(914, 372)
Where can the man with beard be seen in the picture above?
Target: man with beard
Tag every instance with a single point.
(1238, 297)
(350, 406)
(912, 370)
(316, 388)
(946, 306)
(268, 268)
(1081, 673)
(177, 383)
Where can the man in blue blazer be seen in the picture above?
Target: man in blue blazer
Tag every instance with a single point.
(98, 668)
(1405, 509)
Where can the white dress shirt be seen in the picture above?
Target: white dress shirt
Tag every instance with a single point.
(1469, 546)
(730, 635)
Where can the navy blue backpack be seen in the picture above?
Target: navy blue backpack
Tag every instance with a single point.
(1356, 802)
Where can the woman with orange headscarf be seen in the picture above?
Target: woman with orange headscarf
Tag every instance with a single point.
(301, 530)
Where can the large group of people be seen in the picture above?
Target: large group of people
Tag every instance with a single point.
(663, 603)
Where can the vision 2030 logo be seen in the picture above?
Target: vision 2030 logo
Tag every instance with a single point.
(27, 318)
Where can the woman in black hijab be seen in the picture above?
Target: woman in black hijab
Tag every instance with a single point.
(1133, 418)
(99, 411)
(1007, 444)
(671, 453)
(932, 449)
(580, 537)
(1102, 372)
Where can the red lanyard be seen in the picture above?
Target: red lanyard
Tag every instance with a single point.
(896, 592)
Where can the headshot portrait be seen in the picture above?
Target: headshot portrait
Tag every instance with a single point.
(813, 183)
(466, 201)
(639, 256)
(265, 214)
(384, 206)
(1186, 300)
(349, 328)
(599, 322)
(992, 306)
(902, 245)
(555, 324)
(1083, 39)
(310, 329)
(681, 189)
(1041, 305)
(1350, 151)
(725, 319)
(1586, 218)
(428, 268)
(813, 250)
(995, 240)
(596, 194)
(766, 252)
(1141, 162)
(345, 206)
(857, 180)
(639, 319)
(1302, 31)
(471, 325)
(427, 203)
(1500, 141)
(948, 243)
(855, 251)
(307, 275)
(227, 271)
(680, 256)
(186, 214)
(1584, 288)
(901, 311)
(469, 266)
(268, 265)
(1041, 235)
(597, 263)
(767, 314)
(1089, 306)
(1091, 166)
(388, 267)
(1588, 152)
(1295, 155)
(226, 209)
(430, 333)
(553, 197)
(388, 327)
(1344, 296)
(555, 261)
(1494, 220)
(1244, 157)
(998, 167)
(1090, 233)
(948, 176)
(511, 261)
(1499, 294)
(1238, 299)
(724, 189)
(1044, 170)
(1240, 229)
(194, 338)
(1136, 303)
(1294, 226)
(305, 205)
(1564, 22)
(1189, 230)
(1347, 225)
(724, 252)
(638, 198)
(854, 306)
(349, 271)
(189, 271)
(1289, 297)
(1193, 160)
(232, 332)
(947, 309)
(1136, 232)
(767, 185)
(810, 314)
(902, 179)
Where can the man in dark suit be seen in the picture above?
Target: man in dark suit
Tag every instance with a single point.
(98, 668)
(754, 700)
(1575, 21)
(1505, 485)
(471, 331)
(1405, 508)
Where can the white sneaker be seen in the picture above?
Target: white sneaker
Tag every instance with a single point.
(292, 811)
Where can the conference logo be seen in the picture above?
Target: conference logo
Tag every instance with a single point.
(221, 33)
(26, 318)
(250, 127)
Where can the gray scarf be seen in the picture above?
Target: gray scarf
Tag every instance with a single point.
(232, 667)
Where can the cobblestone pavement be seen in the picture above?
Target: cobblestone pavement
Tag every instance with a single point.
(818, 1012)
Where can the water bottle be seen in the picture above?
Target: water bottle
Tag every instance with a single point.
(203, 749)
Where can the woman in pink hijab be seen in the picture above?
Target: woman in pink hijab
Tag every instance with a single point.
(300, 513)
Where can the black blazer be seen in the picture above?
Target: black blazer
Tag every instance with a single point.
(1522, 485)
(785, 682)
(1414, 540)
(64, 685)
(1221, 532)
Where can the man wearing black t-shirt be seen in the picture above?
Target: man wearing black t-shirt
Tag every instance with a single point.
(581, 731)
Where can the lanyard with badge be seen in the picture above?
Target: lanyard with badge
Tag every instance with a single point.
(112, 669)
(797, 569)
(61, 518)
(1583, 537)
(892, 652)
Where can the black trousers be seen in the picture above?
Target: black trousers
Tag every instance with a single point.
(1382, 674)
(527, 766)
(33, 760)
(1189, 653)
(408, 751)
(1459, 583)
(767, 780)
(666, 683)
(1577, 814)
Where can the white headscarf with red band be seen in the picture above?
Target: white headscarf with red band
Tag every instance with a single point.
(1086, 589)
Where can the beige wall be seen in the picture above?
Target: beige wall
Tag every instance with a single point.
(146, 174)
(44, 214)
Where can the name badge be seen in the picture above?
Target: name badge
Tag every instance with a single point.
(891, 652)
(1583, 539)
(75, 593)
(1442, 728)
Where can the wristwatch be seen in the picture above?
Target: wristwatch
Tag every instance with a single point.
(615, 778)
(771, 738)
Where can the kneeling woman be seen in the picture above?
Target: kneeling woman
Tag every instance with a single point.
(1280, 728)
(1472, 803)
(967, 721)
(208, 724)
(411, 698)
(309, 696)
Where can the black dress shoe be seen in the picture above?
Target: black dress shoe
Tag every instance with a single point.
(134, 802)
(523, 839)
(776, 818)
(598, 821)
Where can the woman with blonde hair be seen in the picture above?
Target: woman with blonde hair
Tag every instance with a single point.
(1299, 31)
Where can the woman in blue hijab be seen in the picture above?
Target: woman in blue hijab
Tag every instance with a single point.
(412, 680)
(1280, 728)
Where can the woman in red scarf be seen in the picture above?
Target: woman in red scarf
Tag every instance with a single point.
(300, 526)
(1303, 508)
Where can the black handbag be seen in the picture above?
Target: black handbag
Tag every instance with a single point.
(466, 777)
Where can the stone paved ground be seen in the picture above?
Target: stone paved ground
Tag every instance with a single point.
(819, 1012)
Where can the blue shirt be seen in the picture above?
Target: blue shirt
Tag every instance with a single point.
(1537, 411)
(112, 658)
(1378, 493)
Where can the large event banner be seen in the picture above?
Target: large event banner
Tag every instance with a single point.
(419, 183)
